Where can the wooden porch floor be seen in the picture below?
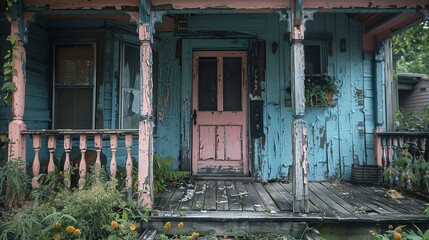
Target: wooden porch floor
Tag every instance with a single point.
(254, 201)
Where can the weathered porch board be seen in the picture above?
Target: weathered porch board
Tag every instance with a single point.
(255, 201)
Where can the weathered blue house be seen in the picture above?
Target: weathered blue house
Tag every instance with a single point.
(217, 85)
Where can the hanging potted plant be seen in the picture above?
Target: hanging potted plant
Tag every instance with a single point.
(320, 90)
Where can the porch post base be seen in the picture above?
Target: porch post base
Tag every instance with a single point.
(16, 149)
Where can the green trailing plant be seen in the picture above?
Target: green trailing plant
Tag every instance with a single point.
(8, 86)
(165, 174)
(320, 90)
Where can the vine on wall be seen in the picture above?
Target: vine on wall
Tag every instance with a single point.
(8, 86)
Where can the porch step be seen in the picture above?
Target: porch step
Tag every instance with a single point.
(148, 234)
(210, 227)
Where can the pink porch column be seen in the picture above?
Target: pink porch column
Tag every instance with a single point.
(145, 165)
(299, 131)
(17, 141)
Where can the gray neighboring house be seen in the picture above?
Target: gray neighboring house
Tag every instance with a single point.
(413, 91)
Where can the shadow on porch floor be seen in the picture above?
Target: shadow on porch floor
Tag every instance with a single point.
(266, 207)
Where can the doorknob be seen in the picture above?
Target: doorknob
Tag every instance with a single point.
(194, 117)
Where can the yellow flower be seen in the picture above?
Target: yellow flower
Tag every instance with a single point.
(195, 235)
(57, 237)
(167, 225)
(122, 226)
(77, 232)
(57, 225)
(398, 230)
(114, 224)
(390, 227)
(180, 225)
(132, 227)
(70, 229)
(397, 236)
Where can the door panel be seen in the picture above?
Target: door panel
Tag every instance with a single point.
(219, 112)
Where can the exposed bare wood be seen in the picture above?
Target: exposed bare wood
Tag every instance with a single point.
(331, 203)
(299, 132)
(145, 168)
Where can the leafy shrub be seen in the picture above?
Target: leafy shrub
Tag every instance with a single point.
(67, 214)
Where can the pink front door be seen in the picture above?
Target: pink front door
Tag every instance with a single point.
(219, 113)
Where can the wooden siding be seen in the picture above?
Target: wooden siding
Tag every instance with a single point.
(416, 99)
(369, 98)
(167, 136)
(38, 94)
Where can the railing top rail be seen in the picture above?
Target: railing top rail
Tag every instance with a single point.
(418, 134)
(4, 133)
(80, 131)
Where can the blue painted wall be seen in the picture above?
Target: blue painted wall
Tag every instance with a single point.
(337, 136)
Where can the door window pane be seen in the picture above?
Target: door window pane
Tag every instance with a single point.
(207, 84)
(232, 84)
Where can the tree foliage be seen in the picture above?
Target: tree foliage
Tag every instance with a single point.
(413, 48)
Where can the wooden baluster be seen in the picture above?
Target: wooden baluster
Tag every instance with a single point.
(37, 143)
(395, 148)
(113, 147)
(82, 164)
(389, 151)
(52, 145)
(98, 144)
(129, 163)
(67, 170)
(383, 153)
(401, 141)
(426, 149)
(421, 148)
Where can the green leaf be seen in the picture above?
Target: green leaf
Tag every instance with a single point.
(10, 86)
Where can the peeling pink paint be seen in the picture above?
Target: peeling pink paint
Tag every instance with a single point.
(37, 143)
(17, 147)
(278, 4)
(81, 4)
(145, 167)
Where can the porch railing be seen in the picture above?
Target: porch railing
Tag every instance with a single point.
(84, 137)
(387, 145)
